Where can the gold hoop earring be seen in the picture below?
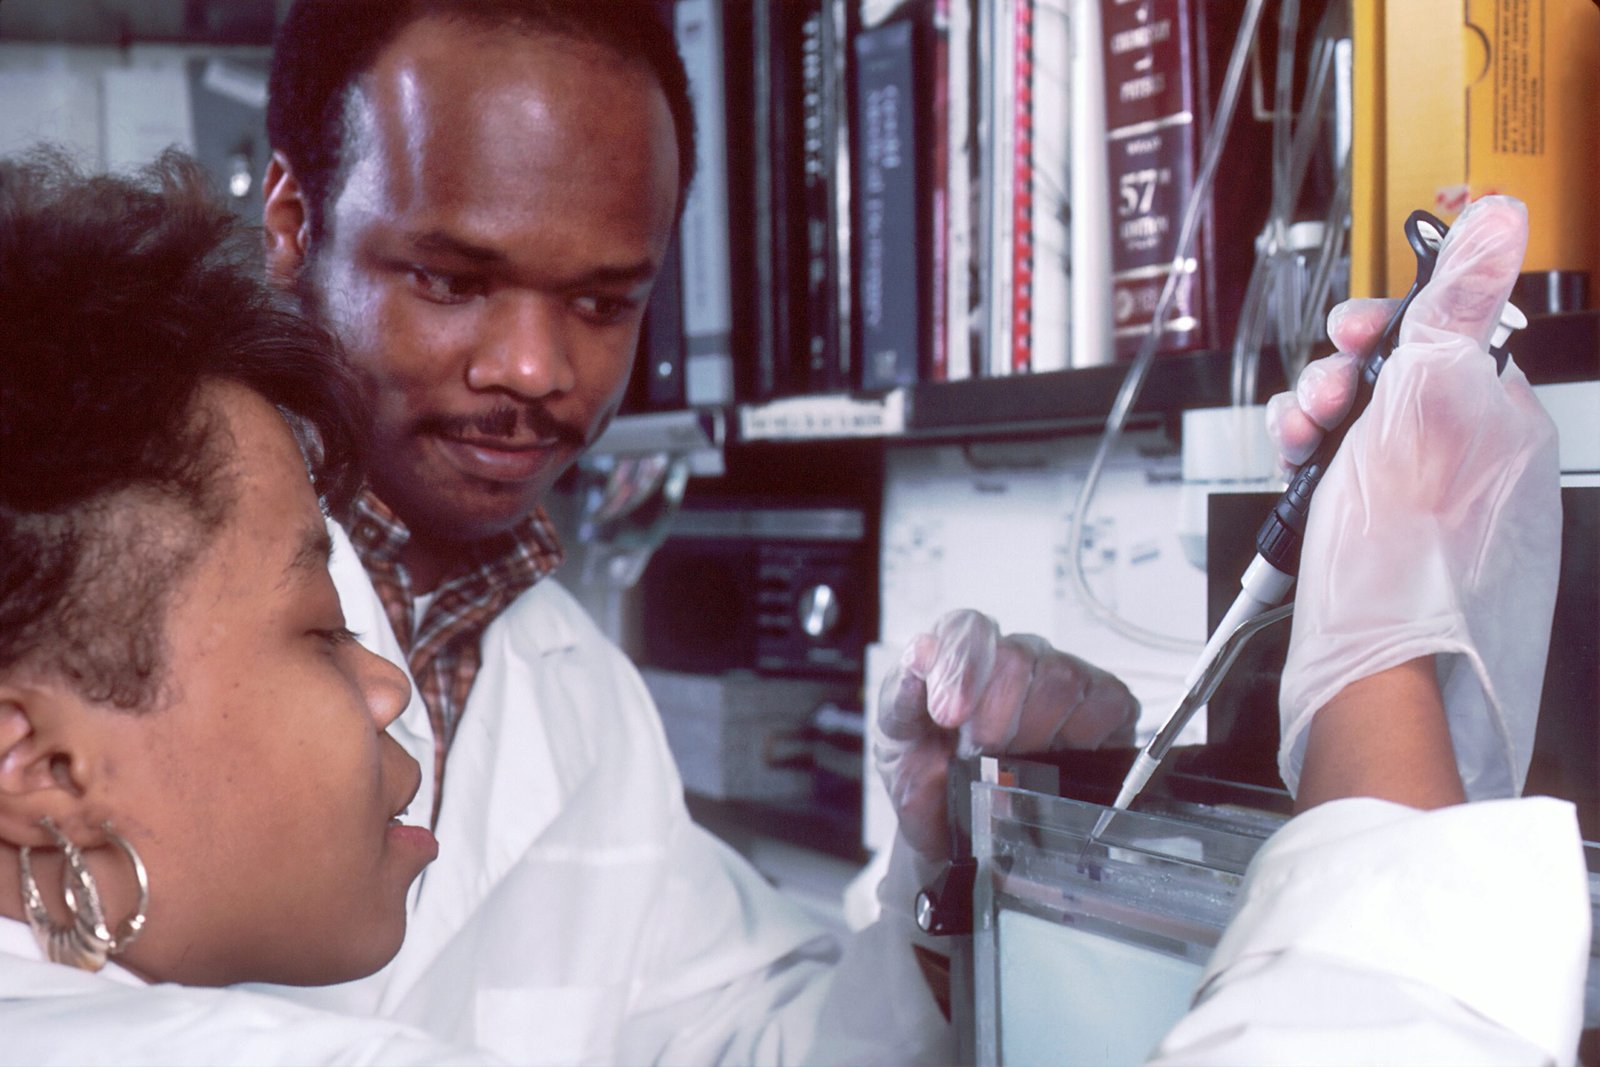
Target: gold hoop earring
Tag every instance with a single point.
(88, 941)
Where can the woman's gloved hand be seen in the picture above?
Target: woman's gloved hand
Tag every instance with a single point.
(964, 689)
(1437, 528)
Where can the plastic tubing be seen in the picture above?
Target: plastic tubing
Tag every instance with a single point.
(1283, 193)
(1288, 178)
(1252, 322)
(1333, 239)
(1128, 392)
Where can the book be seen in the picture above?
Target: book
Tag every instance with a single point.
(661, 346)
(958, 41)
(1503, 101)
(704, 226)
(1163, 68)
(1026, 144)
(1018, 310)
(940, 134)
(783, 52)
(826, 349)
(998, 137)
(1048, 318)
(1090, 237)
(1151, 142)
(890, 216)
(747, 61)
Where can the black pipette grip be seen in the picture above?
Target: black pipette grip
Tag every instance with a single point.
(1280, 537)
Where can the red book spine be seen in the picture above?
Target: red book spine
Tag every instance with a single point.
(1022, 194)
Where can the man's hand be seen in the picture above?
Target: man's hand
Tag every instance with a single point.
(965, 689)
(1436, 531)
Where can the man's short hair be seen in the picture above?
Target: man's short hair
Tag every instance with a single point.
(120, 298)
(323, 46)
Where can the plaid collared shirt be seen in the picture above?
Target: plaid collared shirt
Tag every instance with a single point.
(442, 648)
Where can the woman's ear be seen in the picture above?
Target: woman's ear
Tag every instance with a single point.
(286, 218)
(40, 773)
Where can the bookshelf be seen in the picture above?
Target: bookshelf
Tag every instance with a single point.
(1553, 349)
(899, 193)
(954, 287)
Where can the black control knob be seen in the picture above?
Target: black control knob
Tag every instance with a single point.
(818, 610)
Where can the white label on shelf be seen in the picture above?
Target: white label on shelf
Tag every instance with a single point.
(830, 415)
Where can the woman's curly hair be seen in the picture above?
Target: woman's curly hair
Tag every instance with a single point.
(120, 297)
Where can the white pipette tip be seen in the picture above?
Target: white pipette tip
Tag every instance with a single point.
(1511, 320)
(1139, 775)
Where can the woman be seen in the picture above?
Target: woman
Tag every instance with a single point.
(195, 784)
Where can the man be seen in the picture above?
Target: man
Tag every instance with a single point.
(476, 195)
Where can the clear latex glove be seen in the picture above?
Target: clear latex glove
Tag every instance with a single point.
(1437, 529)
(964, 689)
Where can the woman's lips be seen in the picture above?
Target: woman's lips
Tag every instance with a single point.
(496, 461)
(415, 838)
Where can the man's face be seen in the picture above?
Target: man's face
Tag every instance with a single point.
(487, 261)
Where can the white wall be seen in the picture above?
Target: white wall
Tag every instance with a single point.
(115, 108)
(988, 527)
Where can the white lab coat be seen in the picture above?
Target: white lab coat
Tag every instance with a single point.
(576, 914)
(1371, 933)
(51, 1014)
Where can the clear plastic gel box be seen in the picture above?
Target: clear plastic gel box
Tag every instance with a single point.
(1093, 962)
(1091, 959)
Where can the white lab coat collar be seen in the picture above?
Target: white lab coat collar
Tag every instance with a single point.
(526, 631)
(576, 913)
(530, 763)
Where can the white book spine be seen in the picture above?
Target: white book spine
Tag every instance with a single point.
(998, 40)
(1091, 235)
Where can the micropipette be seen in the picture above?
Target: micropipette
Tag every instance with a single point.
(1272, 572)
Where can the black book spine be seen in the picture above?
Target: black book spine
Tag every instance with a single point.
(889, 218)
(821, 360)
(787, 194)
(661, 355)
(749, 213)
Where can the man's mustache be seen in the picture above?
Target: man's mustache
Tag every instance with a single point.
(504, 422)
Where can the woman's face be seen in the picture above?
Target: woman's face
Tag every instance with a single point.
(262, 793)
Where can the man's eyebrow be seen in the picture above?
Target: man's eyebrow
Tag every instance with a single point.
(626, 274)
(311, 556)
(443, 244)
